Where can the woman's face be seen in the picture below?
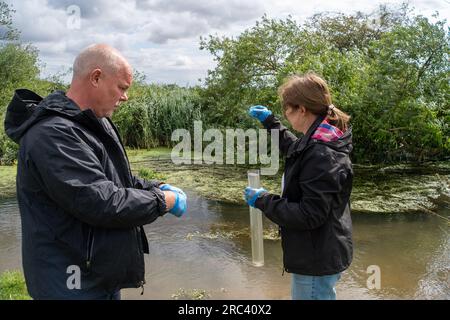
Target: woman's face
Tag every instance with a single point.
(299, 118)
(295, 116)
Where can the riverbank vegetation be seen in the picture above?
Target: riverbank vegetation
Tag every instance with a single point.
(377, 188)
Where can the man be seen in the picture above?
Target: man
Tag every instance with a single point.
(82, 210)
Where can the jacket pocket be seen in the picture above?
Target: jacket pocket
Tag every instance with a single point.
(89, 248)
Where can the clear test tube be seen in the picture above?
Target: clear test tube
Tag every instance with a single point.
(256, 224)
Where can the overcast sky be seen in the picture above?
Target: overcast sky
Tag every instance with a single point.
(161, 37)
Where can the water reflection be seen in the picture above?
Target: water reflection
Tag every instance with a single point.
(10, 235)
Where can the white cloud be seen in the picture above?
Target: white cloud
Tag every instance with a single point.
(219, 13)
(173, 26)
(38, 22)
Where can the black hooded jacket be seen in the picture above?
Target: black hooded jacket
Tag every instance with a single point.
(313, 211)
(81, 208)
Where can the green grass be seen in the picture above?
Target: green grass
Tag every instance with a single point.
(220, 183)
(7, 181)
(190, 294)
(376, 189)
(149, 174)
(388, 189)
(12, 286)
(136, 155)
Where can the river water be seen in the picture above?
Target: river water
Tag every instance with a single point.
(208, 250)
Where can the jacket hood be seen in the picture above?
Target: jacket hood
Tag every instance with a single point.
(343, 144)
(27, 108)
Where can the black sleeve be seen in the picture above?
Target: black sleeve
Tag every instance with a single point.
(320, 181)
(73, 177)
(286, 138)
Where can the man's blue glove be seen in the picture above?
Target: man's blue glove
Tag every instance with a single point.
(259, 112)
(180, 206)
(251, 194)
(168, 187)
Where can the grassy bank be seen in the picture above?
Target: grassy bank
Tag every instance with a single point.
(380, 189)
(12, 286)
(7, 181)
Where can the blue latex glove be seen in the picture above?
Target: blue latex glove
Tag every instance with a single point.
(180, 206)
(168, 187)
(259, 112)
(251, 194)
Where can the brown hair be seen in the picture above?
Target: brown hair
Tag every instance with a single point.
(311, 91)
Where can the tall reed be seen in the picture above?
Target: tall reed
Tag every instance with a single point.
(149, 118)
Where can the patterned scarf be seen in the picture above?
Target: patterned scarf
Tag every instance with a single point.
(326, 132)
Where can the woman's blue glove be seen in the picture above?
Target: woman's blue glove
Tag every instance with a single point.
(251, 194)
(259, 112)
(180, 206)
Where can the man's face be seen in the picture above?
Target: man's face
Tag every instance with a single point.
(112, 90)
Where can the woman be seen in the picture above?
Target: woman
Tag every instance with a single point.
(313, 212)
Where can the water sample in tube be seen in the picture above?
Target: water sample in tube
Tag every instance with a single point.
(256, 225)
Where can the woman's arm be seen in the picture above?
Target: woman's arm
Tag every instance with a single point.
(286, 138)
(270, 122)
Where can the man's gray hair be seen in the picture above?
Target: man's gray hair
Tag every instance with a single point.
(99, 56)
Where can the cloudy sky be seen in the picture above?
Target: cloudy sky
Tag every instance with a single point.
(161, 37)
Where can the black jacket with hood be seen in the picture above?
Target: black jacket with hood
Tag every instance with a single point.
(81, 207)
(313, 211)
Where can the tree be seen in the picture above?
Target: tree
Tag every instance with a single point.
(357, 31)
(19, 68)
(408, 92)
(248, 69)
(388, 69)
(7, 32)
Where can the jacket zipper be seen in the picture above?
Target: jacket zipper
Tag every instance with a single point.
(89, 250)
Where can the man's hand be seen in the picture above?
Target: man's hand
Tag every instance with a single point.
(175, 199)
(259, 112)
(170, 198)
(251, 194)
(168, 187)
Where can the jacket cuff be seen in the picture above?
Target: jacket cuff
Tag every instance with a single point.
(259, 203)
(269, 121)
(162, 207)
